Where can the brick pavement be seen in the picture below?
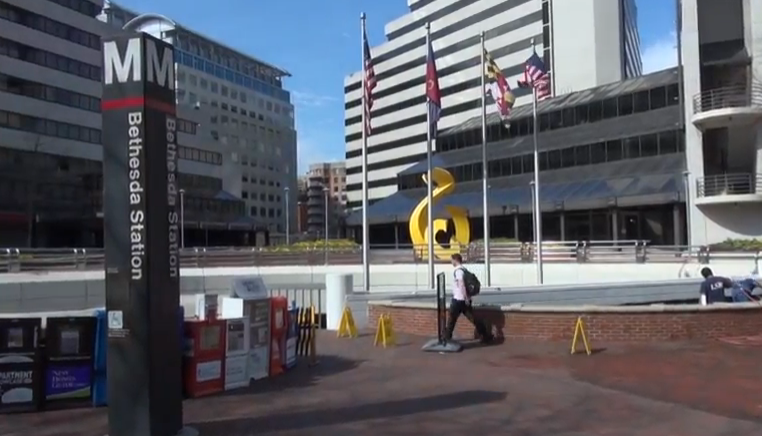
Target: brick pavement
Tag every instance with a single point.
(518, 388)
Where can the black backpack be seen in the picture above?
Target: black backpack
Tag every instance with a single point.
(471, 282)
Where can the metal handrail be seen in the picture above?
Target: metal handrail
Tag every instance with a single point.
(728, 184)
(50, 260)
(728, 97)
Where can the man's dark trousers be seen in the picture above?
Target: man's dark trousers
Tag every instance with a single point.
(458, 308)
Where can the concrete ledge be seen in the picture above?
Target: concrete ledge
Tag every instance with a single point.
(647, 323)
(581, 309)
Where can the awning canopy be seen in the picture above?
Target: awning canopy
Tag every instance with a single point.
(645, 181)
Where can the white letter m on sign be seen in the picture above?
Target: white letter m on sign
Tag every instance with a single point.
(114, 65)
(160, 72)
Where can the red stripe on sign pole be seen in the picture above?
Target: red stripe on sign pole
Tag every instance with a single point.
(134, 102)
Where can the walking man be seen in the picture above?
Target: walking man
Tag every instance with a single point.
(465, 285)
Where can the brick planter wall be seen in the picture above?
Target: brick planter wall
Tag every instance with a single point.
(607, 327)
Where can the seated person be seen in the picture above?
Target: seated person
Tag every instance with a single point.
(743, 291)
(713, 287)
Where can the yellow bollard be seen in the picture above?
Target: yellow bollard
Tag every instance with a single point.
(579, 329)
(313, 360)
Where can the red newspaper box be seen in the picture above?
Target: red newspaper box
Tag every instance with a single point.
(278, 333)
(204, 357)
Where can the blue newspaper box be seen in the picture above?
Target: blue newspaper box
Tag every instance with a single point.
(292, 334)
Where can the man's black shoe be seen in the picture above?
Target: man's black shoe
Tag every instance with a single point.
(488, 339)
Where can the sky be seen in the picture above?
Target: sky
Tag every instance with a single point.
(319, 46)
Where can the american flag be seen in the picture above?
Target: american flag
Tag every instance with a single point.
(370, 82)
(536, 76)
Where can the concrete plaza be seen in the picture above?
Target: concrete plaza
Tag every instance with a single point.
(515, 388)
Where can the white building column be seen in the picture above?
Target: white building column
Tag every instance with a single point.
(753, 37)
(694, 155)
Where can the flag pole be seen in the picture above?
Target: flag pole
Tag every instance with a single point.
(365, 226)
(485, 173)
(429, 182)
(536, 205)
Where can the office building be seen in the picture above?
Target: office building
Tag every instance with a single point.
(249, 112)
(50, 87)
(611, 168)
(301, 204)
(585, 43)
(326, 199)
(721, 48)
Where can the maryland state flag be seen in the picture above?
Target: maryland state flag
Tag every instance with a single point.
(498, 88)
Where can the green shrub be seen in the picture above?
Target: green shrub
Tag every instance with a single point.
(318, 245)
(737, 245)
(495, 240)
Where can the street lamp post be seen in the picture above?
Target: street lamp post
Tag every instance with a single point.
(325, 218)
(288, 218)
(182, 218)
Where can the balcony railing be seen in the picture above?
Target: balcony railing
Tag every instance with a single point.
(13, 260)
(728, 97)
(728, 184)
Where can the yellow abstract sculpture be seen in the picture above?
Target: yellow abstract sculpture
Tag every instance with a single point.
(444, 184)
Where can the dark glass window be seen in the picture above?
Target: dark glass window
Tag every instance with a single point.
(582, 115)
(567, 157)
(556, 120)
(582, 155)
(610, 108)
(595, 111)
(568, 117)
(554, 159)
(649, 145)
(631, 148)
(667, 142)
(598, 153)
(614, 150)
(658, 98)
(641, 101)
(516, 164)
(673, 95)
(544, 122)
(527, 163)
(543, 156)
(494, 168)
(625, 104)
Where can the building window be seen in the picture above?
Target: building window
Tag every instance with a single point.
(39, 91)
(50, 60)
(46, 25)
(186, 126)
(581, 155)
(82, 6)
(198, 155)
(45, 127)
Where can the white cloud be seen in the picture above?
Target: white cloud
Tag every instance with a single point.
(661, 54)
(308, 99)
